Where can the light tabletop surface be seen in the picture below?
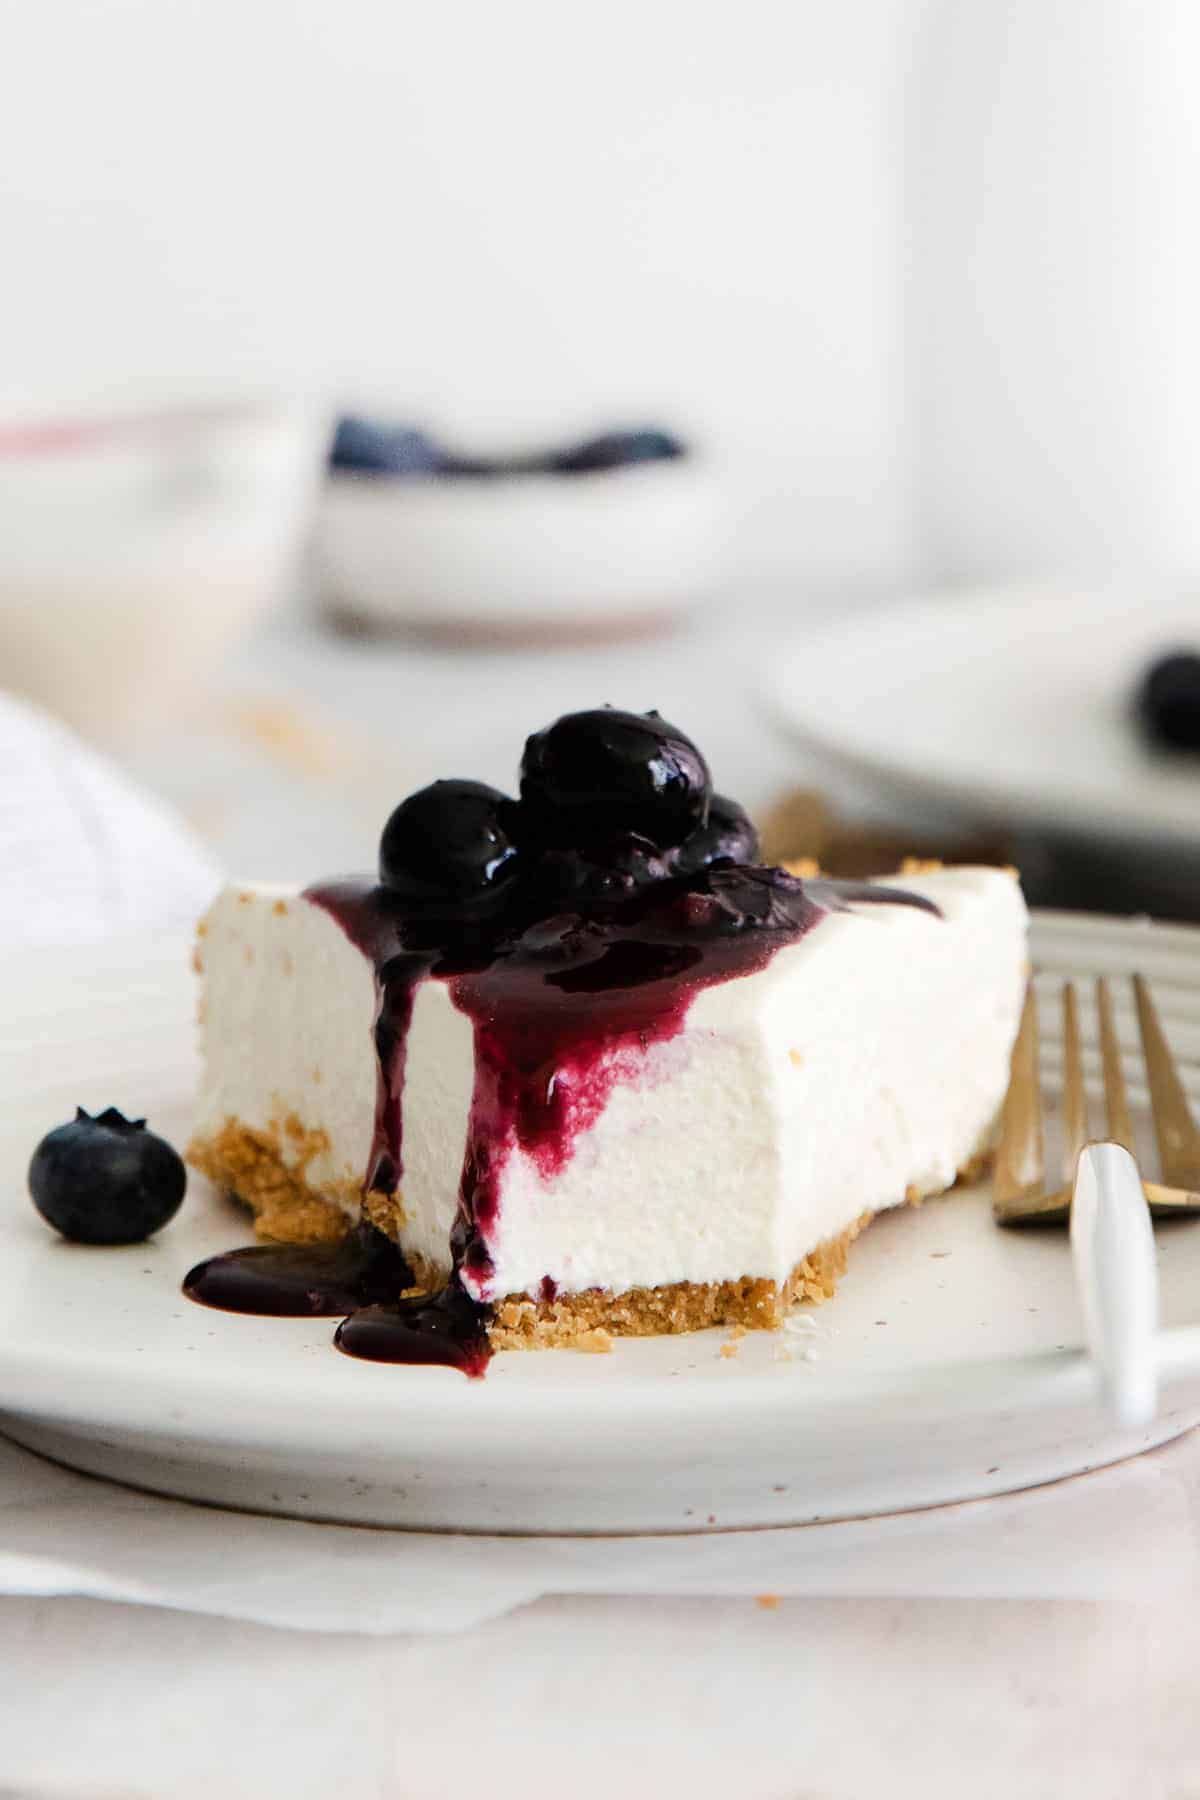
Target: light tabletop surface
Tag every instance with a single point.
(823, 1699)
(311, 736)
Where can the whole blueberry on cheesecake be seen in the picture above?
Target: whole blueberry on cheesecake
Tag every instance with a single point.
(450, 847)
(728, 836)
(594, 776)
(106, 1180)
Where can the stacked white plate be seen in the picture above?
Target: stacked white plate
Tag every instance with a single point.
(1013, 705)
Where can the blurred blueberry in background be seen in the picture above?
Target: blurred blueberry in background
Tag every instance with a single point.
(615, 450)
(363, 447)
(367, 447)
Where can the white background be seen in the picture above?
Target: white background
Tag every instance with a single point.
(516, 219)
(925, 273)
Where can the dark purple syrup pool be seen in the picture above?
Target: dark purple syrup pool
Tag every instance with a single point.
(562, 1007)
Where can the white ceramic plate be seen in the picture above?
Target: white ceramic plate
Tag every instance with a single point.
(947, 1366)
(1011, 705)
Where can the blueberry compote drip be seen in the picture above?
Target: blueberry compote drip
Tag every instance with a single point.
(569, 1009)
(313, 1281)
(570, 964)
(357, 1280)
(448, 1328)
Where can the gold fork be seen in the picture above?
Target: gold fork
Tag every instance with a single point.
(1019, 1193)
(1105, 1200)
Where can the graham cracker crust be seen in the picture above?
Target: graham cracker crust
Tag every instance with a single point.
(521, 1323)
(250, 1164)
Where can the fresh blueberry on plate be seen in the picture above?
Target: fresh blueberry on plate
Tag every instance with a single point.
(450, 844)
(599, 874)
(106, 1180)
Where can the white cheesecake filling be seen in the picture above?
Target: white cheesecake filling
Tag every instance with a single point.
(287, 1021)
(866, 1060)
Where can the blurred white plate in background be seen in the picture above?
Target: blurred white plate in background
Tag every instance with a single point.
(1010, 705)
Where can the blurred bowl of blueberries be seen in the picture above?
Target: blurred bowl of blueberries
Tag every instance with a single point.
(137, 547)
(610, 535)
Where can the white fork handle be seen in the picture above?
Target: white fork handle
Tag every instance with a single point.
(1116, 1270)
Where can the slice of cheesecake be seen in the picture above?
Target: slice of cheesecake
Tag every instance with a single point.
(649, 1114)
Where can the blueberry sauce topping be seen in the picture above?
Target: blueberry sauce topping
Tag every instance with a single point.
(447, 1328)
(303, 1280)
(106, 1180)
(573, 930)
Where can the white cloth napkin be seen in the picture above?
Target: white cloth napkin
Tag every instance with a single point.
(1125, 1534)
(84, 853)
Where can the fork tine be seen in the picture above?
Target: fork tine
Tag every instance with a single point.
(1174, 1128)
(1075, 1116)
(1019, 1154)
(1116, 1105)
